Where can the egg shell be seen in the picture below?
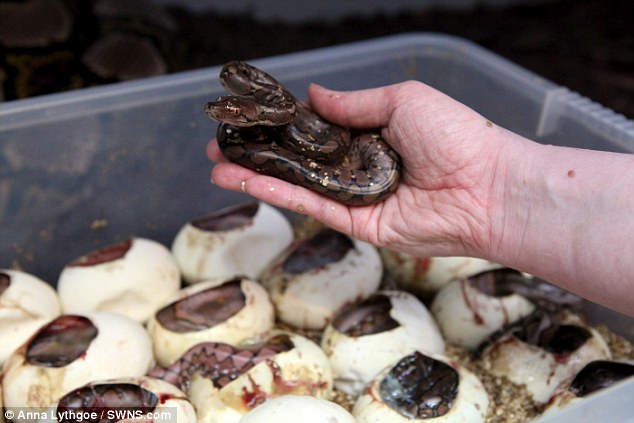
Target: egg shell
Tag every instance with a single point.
(25, 305)
(564, 396)
(171, 399)
(253, 321)
(245, 250)
(467, 316)
(357, 360)
(539, 370)
(424, 276)
(303, 370)
(560, 400)
(122, 348)
(134, 285)
(470, 405)
(309, 300)
(298, 408)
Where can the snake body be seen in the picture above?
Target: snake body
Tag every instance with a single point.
(266, 129)
(219, 362)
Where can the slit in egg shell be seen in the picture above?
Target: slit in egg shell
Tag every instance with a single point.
(61, 342)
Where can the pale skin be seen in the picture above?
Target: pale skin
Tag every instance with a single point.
(472, 188)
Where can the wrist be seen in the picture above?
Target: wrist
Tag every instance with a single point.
(564, 215)
(508, 206)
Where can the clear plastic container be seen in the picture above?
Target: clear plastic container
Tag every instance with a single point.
(86, 168)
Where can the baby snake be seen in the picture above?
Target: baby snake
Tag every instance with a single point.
(219, 362)
(266, 129)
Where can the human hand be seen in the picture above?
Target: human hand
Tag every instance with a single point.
(450, 175)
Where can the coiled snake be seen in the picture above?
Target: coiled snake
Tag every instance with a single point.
(266, 129)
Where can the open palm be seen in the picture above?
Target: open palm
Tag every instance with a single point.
(450, 155)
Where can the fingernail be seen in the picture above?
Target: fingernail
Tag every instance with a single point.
(211, 180)
(243, 186)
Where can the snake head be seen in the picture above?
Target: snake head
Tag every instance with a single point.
(237, 77)
(233, 110)
(240, 78)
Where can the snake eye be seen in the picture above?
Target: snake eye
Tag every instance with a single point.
(234, 110)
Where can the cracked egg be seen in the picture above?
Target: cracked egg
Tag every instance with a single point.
(26, 304)
(367, 336)
(230, 311)
(544, 350)
(139, 399)
(316, 277)
(225, 382)
(238, 240)
(419, 388)
(71, 351)
(133, 278)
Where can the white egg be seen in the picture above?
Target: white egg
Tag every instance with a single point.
(424, 276)
(421, 388)
(554, 356)
(368, 336)
(130, 399)
(313, 279)
(230, 311)
(224, 383)
(71, 351)
(240, 240)
(298, 408)
(467, 316)
(26, 304)
(132, 278)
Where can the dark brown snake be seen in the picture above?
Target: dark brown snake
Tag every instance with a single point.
(420, 387)
(266, 129)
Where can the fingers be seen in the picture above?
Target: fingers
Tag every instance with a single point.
(275, 191)
(370, 108)
(282, 194)
(213, 152)
(359, 109)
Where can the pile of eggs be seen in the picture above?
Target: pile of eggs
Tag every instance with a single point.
(193, 334)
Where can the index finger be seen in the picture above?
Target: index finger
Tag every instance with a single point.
(213, 152)
(368, 108)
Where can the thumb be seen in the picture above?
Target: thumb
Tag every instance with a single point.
(368, 108)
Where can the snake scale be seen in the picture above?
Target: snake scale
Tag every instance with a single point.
(263, 127)
(219, 362)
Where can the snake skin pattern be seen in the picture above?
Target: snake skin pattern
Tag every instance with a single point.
(221, 363)
(266, 129)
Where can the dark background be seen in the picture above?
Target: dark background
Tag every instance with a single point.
(50, 45)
